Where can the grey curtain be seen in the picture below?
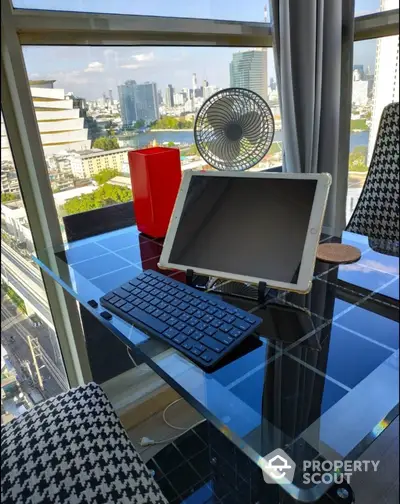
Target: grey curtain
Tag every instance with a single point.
(313, 47)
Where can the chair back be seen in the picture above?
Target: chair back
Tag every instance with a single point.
(377, 212)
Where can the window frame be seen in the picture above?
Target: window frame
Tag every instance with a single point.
(39, 27)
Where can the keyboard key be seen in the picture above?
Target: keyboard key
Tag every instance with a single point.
(130, 298)
(235, 333)
(160, 295)
(187, 298)
(231, 310)
(225, 328)
(196, 351)
(169, 309)
(201, 326)
(194, 302)
(114, 300)
(171, 321)
(108, 296)
(183, 306)
(219, 314)
(191, 310)
(180, 326)
(143, 305)
(206, 357)
(213, 344)
(121, 293)
(202, 306)
(249, 320)
(240, 324)
(142, 294)
(184, 317)
(192, 321)
(148, 298)
(180, 295)
(162, 305)
(216, 323)
(210, 331)
(135, 282)
(150, 309)
(207, 319)
(176, 313)
(136, 302)
(176, 302)
(197, 335)
(187, 345)
(157, 313)
(180, 339)
(188, 330)
(148, 320)
(171, 333)
(223, 338)
(127, 307)
(211, 310)
(128, 287)
(168, 299)
(119, 303)
(229, 319)
(164, 317)
(199, 314)
(240, 315)
(200, 347)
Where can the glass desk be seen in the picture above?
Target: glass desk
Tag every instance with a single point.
(320, 379)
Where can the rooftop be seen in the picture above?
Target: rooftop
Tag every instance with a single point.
(104, 153)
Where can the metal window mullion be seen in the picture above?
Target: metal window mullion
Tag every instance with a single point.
(30, 164)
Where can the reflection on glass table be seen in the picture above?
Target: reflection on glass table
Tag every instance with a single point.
(319, 379)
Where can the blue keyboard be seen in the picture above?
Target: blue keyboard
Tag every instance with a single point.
(197, 324)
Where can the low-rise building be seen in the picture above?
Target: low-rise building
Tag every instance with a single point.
(89, 163)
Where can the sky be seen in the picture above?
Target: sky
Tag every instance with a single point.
(90, 71)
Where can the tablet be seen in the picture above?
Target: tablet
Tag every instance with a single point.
(248, 226)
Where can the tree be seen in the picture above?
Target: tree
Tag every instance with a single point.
(139, 124)
(106, 143)
(105, 175)
(357, 159)
(105, 195)
(170, 144)
(5, 197)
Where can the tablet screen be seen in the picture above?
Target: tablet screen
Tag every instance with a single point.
(255, 227)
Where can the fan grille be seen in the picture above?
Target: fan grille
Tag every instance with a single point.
(234, 129)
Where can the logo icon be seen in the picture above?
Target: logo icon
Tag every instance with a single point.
(278, 467)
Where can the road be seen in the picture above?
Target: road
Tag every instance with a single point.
(25, 279)
(15, 331)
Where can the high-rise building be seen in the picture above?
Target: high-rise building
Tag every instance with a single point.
(110, 96)
(126, 93)
(60, 124)
(360, 68)
(386, 80)
(360, 89)
(248, 69)
(169, 96)
(146, 100)
(194, 83)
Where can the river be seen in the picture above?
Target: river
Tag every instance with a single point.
(186, 137)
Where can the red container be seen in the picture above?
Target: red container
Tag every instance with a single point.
(156, 176)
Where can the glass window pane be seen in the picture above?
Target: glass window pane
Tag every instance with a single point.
(375, 84)
(92, 102)
(236, 10)
(364, 7)
(31, 363)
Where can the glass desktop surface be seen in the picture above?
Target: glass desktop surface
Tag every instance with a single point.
(321, 378)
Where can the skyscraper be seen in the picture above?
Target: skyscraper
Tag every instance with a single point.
(194, 82)
(146, 100)
(110, 95)
(386, 80)
(169, 96)
(126, 93)
(248, 69)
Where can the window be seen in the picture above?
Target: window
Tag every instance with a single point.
(375, 84)
(120, 97)
(236, 10)
(31, 364)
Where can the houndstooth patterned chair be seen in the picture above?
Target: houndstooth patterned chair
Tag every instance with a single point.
(377, 212)
(72, 449)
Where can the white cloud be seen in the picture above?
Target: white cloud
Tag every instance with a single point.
(143, 57)
(130, 66)
(95, 66)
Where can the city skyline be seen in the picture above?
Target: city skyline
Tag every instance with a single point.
(89, 71)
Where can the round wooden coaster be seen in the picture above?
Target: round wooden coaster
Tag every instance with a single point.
(337, 253)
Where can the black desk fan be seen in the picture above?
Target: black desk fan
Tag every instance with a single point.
(234, 129)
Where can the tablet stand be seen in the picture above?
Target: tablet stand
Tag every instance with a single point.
(262, 290)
